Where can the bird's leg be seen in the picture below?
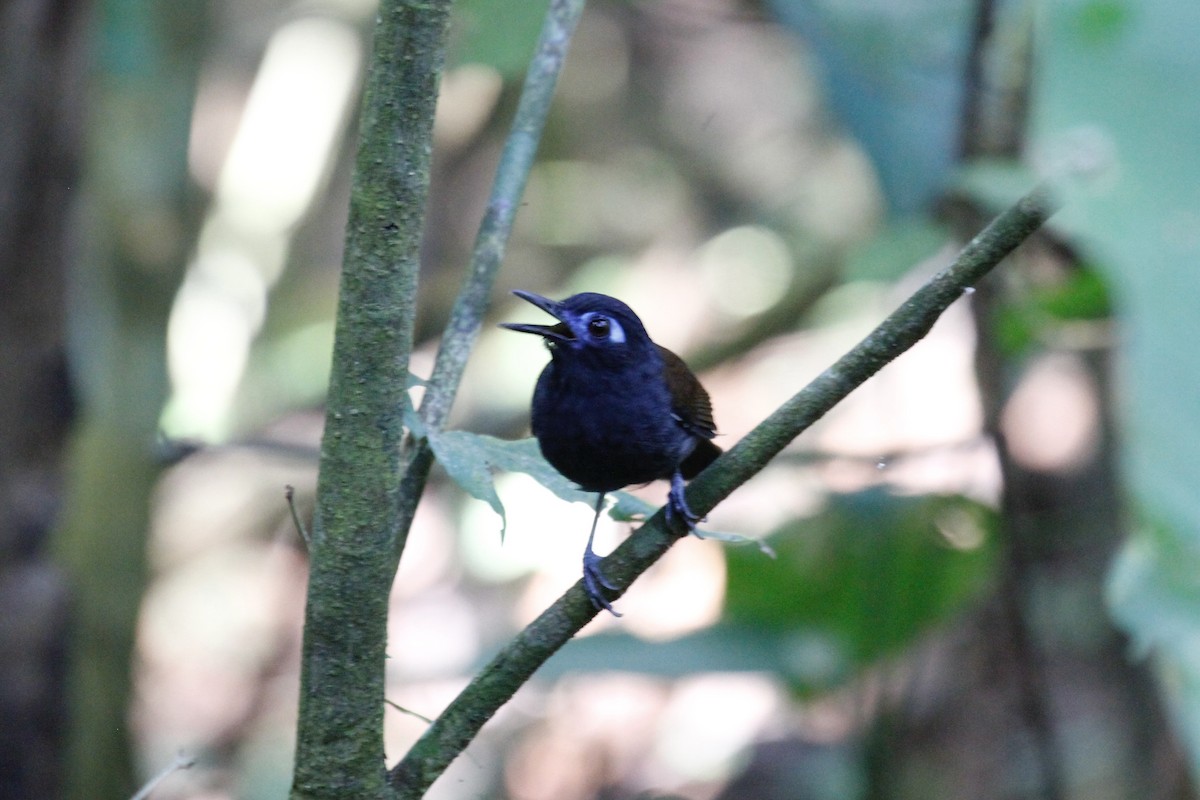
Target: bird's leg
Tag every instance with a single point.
(677, 504)
(593, 578)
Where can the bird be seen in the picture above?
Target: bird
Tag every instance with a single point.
(613, 409)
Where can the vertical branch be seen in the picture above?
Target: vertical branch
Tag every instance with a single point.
(971, 133)
(339, 749)
(119, 298)
(364, 504)
(42, 69)
(981, 136)
(996, 87)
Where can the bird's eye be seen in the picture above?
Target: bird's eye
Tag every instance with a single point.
(604, 329)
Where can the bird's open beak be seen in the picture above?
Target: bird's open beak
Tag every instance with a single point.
(555, 333)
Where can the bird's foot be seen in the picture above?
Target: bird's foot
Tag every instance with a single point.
(595, 581)
(677, 506)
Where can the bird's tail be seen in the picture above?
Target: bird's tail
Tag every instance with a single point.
(705, 453)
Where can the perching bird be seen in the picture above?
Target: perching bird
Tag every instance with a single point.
(613, 409)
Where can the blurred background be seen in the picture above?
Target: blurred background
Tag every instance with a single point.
(986, 579)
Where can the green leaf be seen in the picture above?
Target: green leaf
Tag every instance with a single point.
(470, 459)
(1084, 296)
(1016, 329)
(869, 574)
(806, 659)
(1108, 104)
(893, 251)
(468, 465)
(629, 508)
(524, 455)
(498, 33)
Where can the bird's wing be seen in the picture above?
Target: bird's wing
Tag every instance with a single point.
(689, 399)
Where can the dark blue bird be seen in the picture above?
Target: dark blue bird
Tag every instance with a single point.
(613, 409)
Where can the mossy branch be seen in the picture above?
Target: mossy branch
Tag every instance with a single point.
(369, 485)
(339, 747)
(516, 663)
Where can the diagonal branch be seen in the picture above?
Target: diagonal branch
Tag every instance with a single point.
(516, 663)
(511, 174)
(466, 316)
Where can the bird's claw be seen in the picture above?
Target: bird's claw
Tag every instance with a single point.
(594, 580)
(677, 505)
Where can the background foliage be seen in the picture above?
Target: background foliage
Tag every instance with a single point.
(985, 583)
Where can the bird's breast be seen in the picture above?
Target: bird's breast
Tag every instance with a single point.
(607, 430)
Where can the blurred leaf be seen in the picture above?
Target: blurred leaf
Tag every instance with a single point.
(855, 584)
(892, 73)
(1102, 21)
(894, 250)
(805, 658)
(870, 573)
(1108, 110)
(498, 33)
(1021, 324)
(1015, 330)
(1155, 587)
(1154, 591)
(993, 184)
(1084, 296)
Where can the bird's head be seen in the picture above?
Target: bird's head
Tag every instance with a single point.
(590, 326)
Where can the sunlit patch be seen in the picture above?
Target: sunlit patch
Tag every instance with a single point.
(465, 102)
(277, 163)
(709, 722)
(1052, 421)
(747, 269)
(292, 120)
(544, 533)
(961, 529)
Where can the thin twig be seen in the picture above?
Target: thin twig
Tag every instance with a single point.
(466, 316)
(180, 762)
(408, 711)
(289, 492)
(517, 661)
